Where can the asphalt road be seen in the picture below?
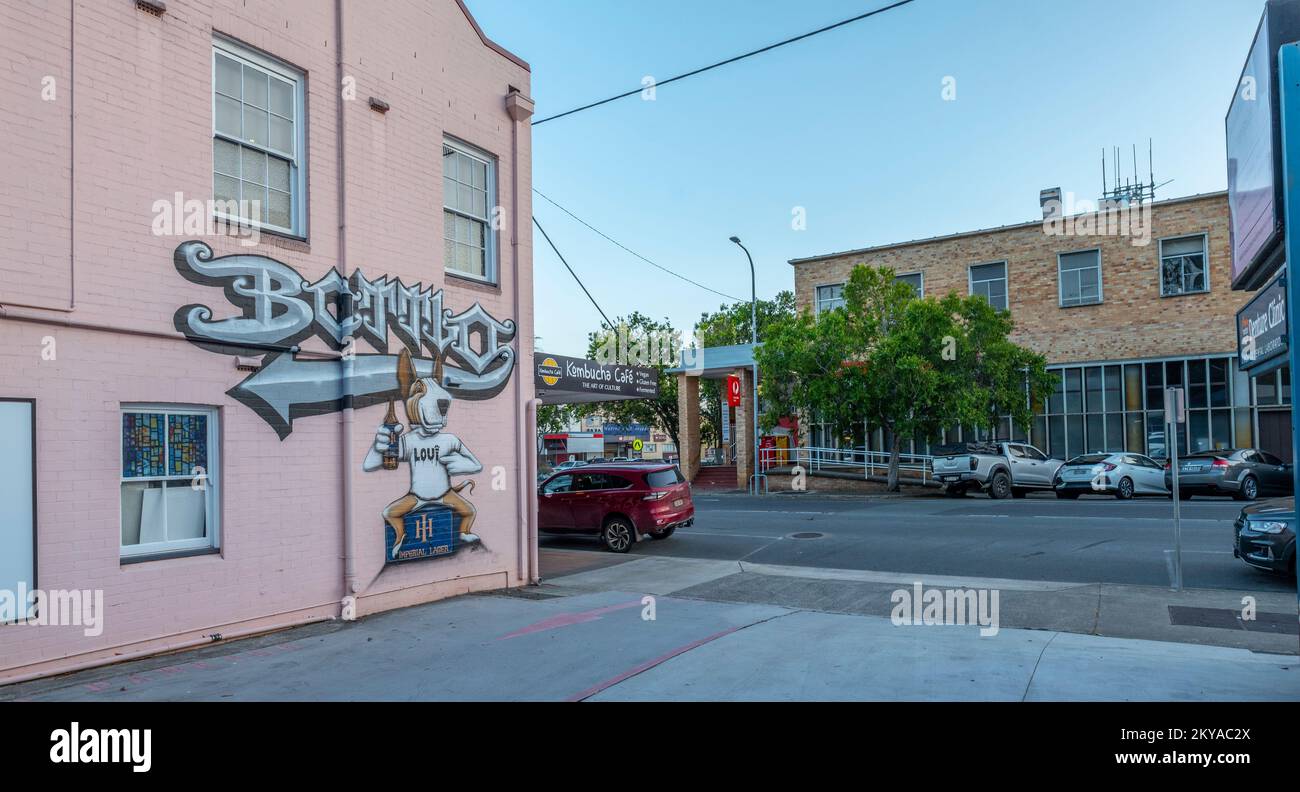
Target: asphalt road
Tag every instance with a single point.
(1091, 540)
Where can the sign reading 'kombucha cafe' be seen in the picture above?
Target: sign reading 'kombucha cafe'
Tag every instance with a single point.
(587, 380)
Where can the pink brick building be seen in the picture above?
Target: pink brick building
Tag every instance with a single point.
(194, 420)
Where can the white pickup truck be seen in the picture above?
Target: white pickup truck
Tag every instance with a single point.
(1003, 469)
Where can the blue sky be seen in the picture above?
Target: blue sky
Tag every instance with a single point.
(850, 125)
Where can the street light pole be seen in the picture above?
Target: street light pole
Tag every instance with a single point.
(753, 330)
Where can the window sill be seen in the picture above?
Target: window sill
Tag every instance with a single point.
(473, 282)
(277, 237)
(1164, 296)
(1082, 305)
(168, 556)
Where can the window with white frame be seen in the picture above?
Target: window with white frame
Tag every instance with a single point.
(258, 145)
(916, 280)
(1080, 275)
(829, 298)
(990, 282)
(169, 482)
(1182, 266)
(468, 187)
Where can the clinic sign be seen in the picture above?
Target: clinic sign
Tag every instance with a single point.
(1262, 329)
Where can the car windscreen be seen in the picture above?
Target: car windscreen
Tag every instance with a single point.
(1088, 459)
(664, 478)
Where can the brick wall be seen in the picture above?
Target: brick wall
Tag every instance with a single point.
(143, 98)
(1134, 321)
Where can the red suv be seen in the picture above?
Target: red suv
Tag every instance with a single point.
(620, 503)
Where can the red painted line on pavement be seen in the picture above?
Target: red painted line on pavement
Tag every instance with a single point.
(649, 664)
(569, 619)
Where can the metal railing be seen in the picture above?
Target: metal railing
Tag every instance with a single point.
(847, 460)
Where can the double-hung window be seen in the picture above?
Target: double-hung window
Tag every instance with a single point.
(1182, 266)
(258, 142)
(468, 190)
(829, 298)
(169, 480)
(1080, 276)
(990, 282)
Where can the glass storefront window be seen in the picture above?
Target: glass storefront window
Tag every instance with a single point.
(1132, 389)
(1136, 432)
(1155, 386)
(1096, 434)
(1074, 391)
(1093, 379)
(1197, 393)
(1156, 447)
(1056, 402)
(1266, 389)
(1198, 423)
(1219, 382)
(1221, 428)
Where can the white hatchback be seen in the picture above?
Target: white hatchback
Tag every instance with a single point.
(1123, 475)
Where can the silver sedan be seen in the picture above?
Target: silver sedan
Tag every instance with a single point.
(1122, 475)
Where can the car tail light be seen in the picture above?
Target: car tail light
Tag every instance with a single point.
(974, 463)
(1169, 465)
(654, 496)
(1108, 467)
(1220, 463)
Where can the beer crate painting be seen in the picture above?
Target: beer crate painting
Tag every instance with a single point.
(431, 532)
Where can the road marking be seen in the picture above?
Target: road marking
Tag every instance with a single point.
(726, 533)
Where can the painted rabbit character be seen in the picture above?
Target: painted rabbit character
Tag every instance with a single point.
(434, 455)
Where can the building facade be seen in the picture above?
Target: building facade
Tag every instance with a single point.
(1121, 310)
(265, 284)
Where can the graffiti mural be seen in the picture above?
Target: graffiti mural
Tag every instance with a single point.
(433, 518)
(279, 310)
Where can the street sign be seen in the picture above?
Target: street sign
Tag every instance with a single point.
(1175, 405)
(637, 445)
(733, 390)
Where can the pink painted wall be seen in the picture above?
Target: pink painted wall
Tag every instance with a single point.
(143, 131)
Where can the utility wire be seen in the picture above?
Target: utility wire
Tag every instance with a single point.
(633, 252)
(574, 274)
(728, 61)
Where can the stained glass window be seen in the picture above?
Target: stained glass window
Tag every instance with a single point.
(144, 450)
(187, 440)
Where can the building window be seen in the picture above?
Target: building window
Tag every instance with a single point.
(830, 297)
(990, 282)
(169, 480)
(916, 280)
(1182, 266)
(258, 146)
(1080, 275)
(17, 504)
(468, 187)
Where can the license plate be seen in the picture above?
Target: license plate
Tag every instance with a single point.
(1190, 469)
(947, 478)
(678, 502)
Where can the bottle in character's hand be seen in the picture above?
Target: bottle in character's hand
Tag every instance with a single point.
(392, 455)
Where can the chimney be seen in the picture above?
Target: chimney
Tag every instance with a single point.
(1050, 201)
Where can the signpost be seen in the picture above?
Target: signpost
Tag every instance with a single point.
(1175, 414)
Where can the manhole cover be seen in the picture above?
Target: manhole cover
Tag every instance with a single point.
(807, 536)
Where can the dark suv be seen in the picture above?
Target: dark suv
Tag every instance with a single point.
(1264, 535)
(620, 503)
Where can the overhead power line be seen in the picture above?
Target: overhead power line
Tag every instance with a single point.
(633, 252)
(610, 324)
(728, 61)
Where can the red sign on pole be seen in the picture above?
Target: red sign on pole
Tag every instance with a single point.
(733, 390)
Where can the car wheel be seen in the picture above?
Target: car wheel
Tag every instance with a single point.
(1249, 489)
(617, 535)
(1125, 489)
(664, 534)
(1001, 486)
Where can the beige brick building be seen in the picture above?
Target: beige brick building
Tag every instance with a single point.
(1122, 305)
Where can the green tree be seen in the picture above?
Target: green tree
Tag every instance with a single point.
(906, 365)
(639, 340)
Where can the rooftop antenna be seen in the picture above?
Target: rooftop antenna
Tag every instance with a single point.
(1127, 190)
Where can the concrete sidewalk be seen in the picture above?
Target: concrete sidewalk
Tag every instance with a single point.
(587, 635)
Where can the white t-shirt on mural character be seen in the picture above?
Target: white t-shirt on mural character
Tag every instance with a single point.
(430, 457)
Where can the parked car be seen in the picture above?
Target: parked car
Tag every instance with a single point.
(570, 465)
(1122, 475)
(1002, 468)
(597, 461)
(618, 503)
(620, 459)
(1264, 535)
(1244, 473)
